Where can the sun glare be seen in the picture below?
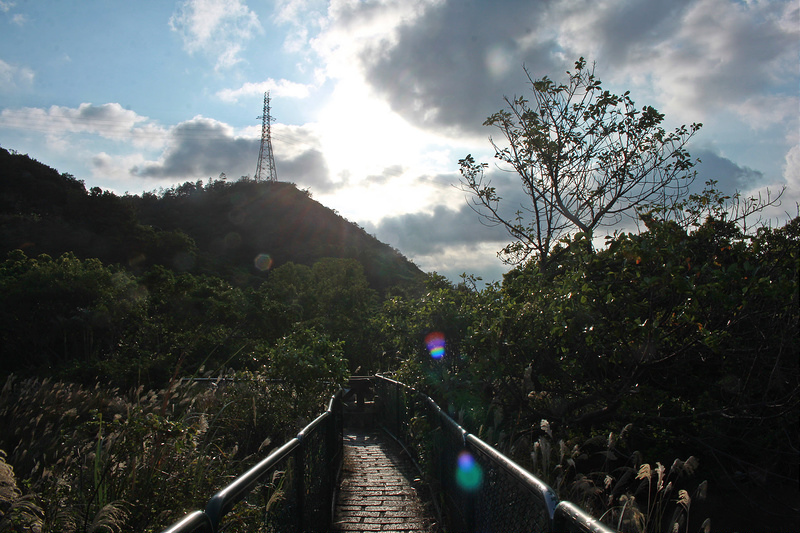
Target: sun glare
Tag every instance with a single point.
(361, 136)
(379, 158)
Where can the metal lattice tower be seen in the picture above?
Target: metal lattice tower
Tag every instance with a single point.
(266, 141)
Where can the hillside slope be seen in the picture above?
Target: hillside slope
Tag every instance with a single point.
(232, 230)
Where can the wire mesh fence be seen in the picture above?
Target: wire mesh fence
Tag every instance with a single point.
(480, 489)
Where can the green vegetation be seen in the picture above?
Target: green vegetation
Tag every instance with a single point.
(80, 321)
(665, 344)
(676, 341)
(594, 368)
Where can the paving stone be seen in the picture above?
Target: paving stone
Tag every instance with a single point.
(377, 491)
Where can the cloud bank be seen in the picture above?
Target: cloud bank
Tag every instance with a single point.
(447, 64)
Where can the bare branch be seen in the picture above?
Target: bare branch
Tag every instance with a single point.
(586, 158)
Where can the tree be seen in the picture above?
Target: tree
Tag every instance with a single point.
(586, 158)
(57, 311)
(332, 296)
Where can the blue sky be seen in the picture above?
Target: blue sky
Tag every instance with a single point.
(376, 101)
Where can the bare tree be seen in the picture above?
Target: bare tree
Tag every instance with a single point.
(586, 158)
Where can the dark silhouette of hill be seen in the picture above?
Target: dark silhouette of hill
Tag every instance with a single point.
(235, 230)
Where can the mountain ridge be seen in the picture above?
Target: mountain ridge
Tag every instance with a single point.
(236, 230)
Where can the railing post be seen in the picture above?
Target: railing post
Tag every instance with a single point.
(299, 472)
(398, 405)
(471, 502)
(330, 458)
(401, 404)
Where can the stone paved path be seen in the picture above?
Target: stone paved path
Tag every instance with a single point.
(378, 491)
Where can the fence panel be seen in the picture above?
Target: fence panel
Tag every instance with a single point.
(267, 494)
(508, 498)
(318, 488)
(481, 489)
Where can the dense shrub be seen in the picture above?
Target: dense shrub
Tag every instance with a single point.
(686, 338)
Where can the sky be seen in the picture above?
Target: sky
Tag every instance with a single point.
(375, 101)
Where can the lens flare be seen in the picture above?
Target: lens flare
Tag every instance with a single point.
(435, 344)
(263, 262)
(468, 474)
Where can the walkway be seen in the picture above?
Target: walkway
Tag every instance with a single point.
(379, 488)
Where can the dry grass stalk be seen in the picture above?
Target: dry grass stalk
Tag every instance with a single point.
(97, 459)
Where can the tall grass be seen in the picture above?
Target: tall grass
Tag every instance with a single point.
(91, 459)
(628, 494)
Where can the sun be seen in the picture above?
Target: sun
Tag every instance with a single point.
(379, 161)
(361, 135)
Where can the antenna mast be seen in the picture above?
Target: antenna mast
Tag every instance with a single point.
(266, 140)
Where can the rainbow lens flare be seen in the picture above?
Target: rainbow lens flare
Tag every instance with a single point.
(468, 474)
(263, 262)
(435, 344)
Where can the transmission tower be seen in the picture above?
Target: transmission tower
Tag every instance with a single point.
(266, 141)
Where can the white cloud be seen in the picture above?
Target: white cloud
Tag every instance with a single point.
(304, 17)
(352, 27)
(203, 147)
(424, 233)
(215, 27)
(16, 18)
(791, 170)
(13, 77)
(453, 260)
(281, 88)
(115, 168)
(723, 54)
(764, 110)
(110, 121)
(788, 206)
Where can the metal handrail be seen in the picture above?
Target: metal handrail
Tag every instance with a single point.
(570, 518)
(329, 426)
(195, 522)
(538, 487)
(223, 501)
(509, 499)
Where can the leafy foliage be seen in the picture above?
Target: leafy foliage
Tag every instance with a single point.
(687, 337)
(332, 296)
(64, 310)
(81, 319)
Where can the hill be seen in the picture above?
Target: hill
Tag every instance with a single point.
(237, 231)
